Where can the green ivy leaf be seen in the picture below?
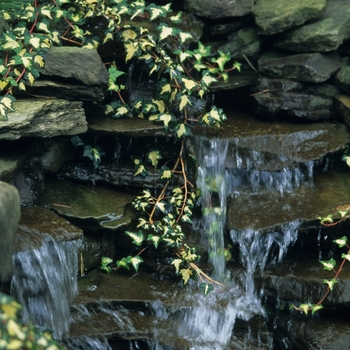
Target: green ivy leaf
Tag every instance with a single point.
(341, 241)
(206, 288)
(124, 262)
(154, 239)
(137, 238)
(329, 264)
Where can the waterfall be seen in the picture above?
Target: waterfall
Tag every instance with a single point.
(45, 281)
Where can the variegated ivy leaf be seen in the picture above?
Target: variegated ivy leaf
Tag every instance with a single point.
(11, 43)
(206, 288)
(198, 66)
(330, 283)
(184, 101)
(305, 308)
(165, 31)
(346, 256)
(35, 42)
(346, 158)
(156, 12)
(176, 18)
(189, 84)
(137, 238)
(341, 241)
(154, 239)
(182, 130)
(183, 55)
(315, 308)
(128, 34)
(21, 86)
(27, 61)
(54, 36)
(153, 157)
(222, 59)
(184, 36)
(186, 218)
(161, 206)
(137, 12)
(166, 118)
(329, 264)
(166, 89)
(45, 11)
(121, 112)
(237, 66)
(3, 84)
(141, 170)
(123, 263)
(186, 274)
(7, 101)
(166, 173)
(43, 26)
(177, 263)
(202, 51)
(131, 50)
(207, 79)
(160, 104)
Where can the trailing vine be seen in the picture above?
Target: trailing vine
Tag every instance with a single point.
(182, 76)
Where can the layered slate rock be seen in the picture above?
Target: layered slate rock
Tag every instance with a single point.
(38, 224)
(342, 77)
(10, 212)
(308, 67)
(275, 16)
(70, 62)
(91, 208)
(323, 35)
(342, 106)
(282, 97)
(271, 146)
(268, 210)
(44, 118)
(219, 9)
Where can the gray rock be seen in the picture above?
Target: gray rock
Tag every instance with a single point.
(91, 208)
(342, 107)
(82, 65)
(236, 80)
(59, 152)
(44, 118)
(280, 97)
(256, 144)
(307, 67)
(243, 42)
(342, 77)
(232, 26)
(275, 16)
(38, 223)
(74, 92)
(10, 212)
(323, 35)
(219, 9)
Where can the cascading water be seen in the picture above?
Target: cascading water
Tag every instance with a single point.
(45, 281)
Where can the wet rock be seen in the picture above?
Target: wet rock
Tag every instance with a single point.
(133, 127)
(30, 182)
(44, 118)
(342, 107)
(276, 16)
(59, 89)
(267, 210)
(243, 42)
(232, 25)
(38, 224)
(82, 65)
(94, 249)
(219, 9)
(281, 97)
(10, 212)
(313, 334)
(57, 154)
(235, 81)
(342, 77)
(113, 174)
(256, 144)
(323, 35)
(89, 207)
(308, 67)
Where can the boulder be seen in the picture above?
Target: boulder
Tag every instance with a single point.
(44, 118)
(323, 35)
(342, 107)
(275, 16)
(10, 212)
(307, 67)
(219, 9)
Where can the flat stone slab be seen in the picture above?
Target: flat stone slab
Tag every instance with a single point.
(265, 145)
(92, 207)
(43, 118)
(266, 211)
(275, 16)
(306, 67)
(38, 223)
(133, 127)
(323, 35)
